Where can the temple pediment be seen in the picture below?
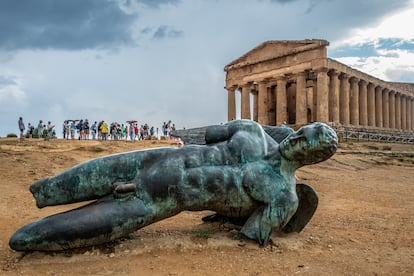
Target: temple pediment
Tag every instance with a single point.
(275, 48)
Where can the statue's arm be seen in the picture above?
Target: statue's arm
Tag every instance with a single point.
(215, 133)
(260, 224)
(279, 204)
(220, 133)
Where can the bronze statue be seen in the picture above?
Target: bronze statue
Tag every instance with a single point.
(241, 173)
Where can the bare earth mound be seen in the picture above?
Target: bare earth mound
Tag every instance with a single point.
(363, 225)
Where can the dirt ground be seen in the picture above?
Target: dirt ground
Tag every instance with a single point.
(364, 224)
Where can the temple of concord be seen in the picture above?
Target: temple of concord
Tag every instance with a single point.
(294, 82)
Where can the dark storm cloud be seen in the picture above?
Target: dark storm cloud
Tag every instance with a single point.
(165, 31)
(337, 19)
(64, 24)
(148, 3)
(283, 1)
(363, 12)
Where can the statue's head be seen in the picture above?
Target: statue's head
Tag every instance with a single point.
(310, 144)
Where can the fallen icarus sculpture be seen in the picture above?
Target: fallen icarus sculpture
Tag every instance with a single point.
(241, 173)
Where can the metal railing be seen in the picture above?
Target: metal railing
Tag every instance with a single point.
(355, 134)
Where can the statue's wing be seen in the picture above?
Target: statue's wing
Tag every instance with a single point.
(192, 136)
(308, 202)
(196, 136)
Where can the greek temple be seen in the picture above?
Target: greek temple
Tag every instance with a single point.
(294, 82)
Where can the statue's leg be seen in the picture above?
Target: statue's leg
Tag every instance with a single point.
(308, 202)
(93, 179)
(102, 221)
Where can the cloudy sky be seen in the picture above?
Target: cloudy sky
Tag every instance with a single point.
(153, 61)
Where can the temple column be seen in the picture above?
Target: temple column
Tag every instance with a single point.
(354, 99)
(301, 99)
(262, 103)
(363, 112)
(255, 105)
(333, 96)
(392, 109)
(378, 106)
(314, 102)
(245, 101)
(398, 110)
(371, 104)
(403, 112)
(281, 101)
(271, 101)
(344, 99)
(385, 108)
(231, 103)
(322, 112)
(309, 101)
(412, 114)
(409, 112)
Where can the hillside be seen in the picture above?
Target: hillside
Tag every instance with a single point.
(363, 224)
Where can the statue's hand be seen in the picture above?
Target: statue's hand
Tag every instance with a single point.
(257, 227)
(270, 216)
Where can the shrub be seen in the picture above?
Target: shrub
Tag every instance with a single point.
(98, 149)
(11, 135)
(205, 234)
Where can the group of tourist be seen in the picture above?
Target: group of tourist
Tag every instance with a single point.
(83, 130)
(41, 131)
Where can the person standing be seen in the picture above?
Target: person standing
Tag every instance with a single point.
(93, 130)
(104, 130)
(21, 127)
(30, 129)
(50, 129)
(40, 129)
(136, 131)
(132, 130)
(67, 127)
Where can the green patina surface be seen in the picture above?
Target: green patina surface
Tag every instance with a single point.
(241, 172)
